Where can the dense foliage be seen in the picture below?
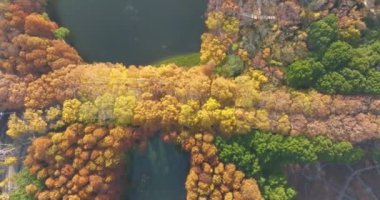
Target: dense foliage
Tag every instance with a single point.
(83, 162)
(334, 65)
(322, 33)
(174, 98)
(304, 73)
(262, 155)
(83, 117)
(208, 177)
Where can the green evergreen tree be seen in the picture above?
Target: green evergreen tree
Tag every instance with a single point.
(304, 73)
(333, 83)
(322, 33)
(337, 56)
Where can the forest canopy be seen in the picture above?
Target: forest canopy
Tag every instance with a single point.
(229, 106)
(337, 63)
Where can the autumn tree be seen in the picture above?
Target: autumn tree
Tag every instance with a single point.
(31, 122)
(68, 163)
(88, 113)
(124, 109)
(214, 20)
(70, 113)
(211, 179)
(37, 25)
(212, 49)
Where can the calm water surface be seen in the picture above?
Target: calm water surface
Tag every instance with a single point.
(157, 174)
(131, 31)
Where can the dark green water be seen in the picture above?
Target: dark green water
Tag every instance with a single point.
(157, 174)
(131, 31)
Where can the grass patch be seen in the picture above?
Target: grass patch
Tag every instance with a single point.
(184, 60)
(23, 179)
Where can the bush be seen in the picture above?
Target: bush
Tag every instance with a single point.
(61, 33)
(233, 66)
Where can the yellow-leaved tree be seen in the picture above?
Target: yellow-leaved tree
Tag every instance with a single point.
(212, 49)
(124, 109)
(188, 112)
(71, 110)
(208, 115)
(214, 20)
(105, 105)
(88, 112)
(32, 122)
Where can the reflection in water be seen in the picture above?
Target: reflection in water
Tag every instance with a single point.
(131, 31)
(157, 174)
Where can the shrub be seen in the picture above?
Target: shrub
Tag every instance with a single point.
(233, 66)
(61, 33)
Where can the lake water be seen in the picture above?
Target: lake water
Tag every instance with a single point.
(138, 32)
(157, 174)
(131, 31)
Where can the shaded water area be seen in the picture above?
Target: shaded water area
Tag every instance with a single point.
(157, 174)
(131, 31)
